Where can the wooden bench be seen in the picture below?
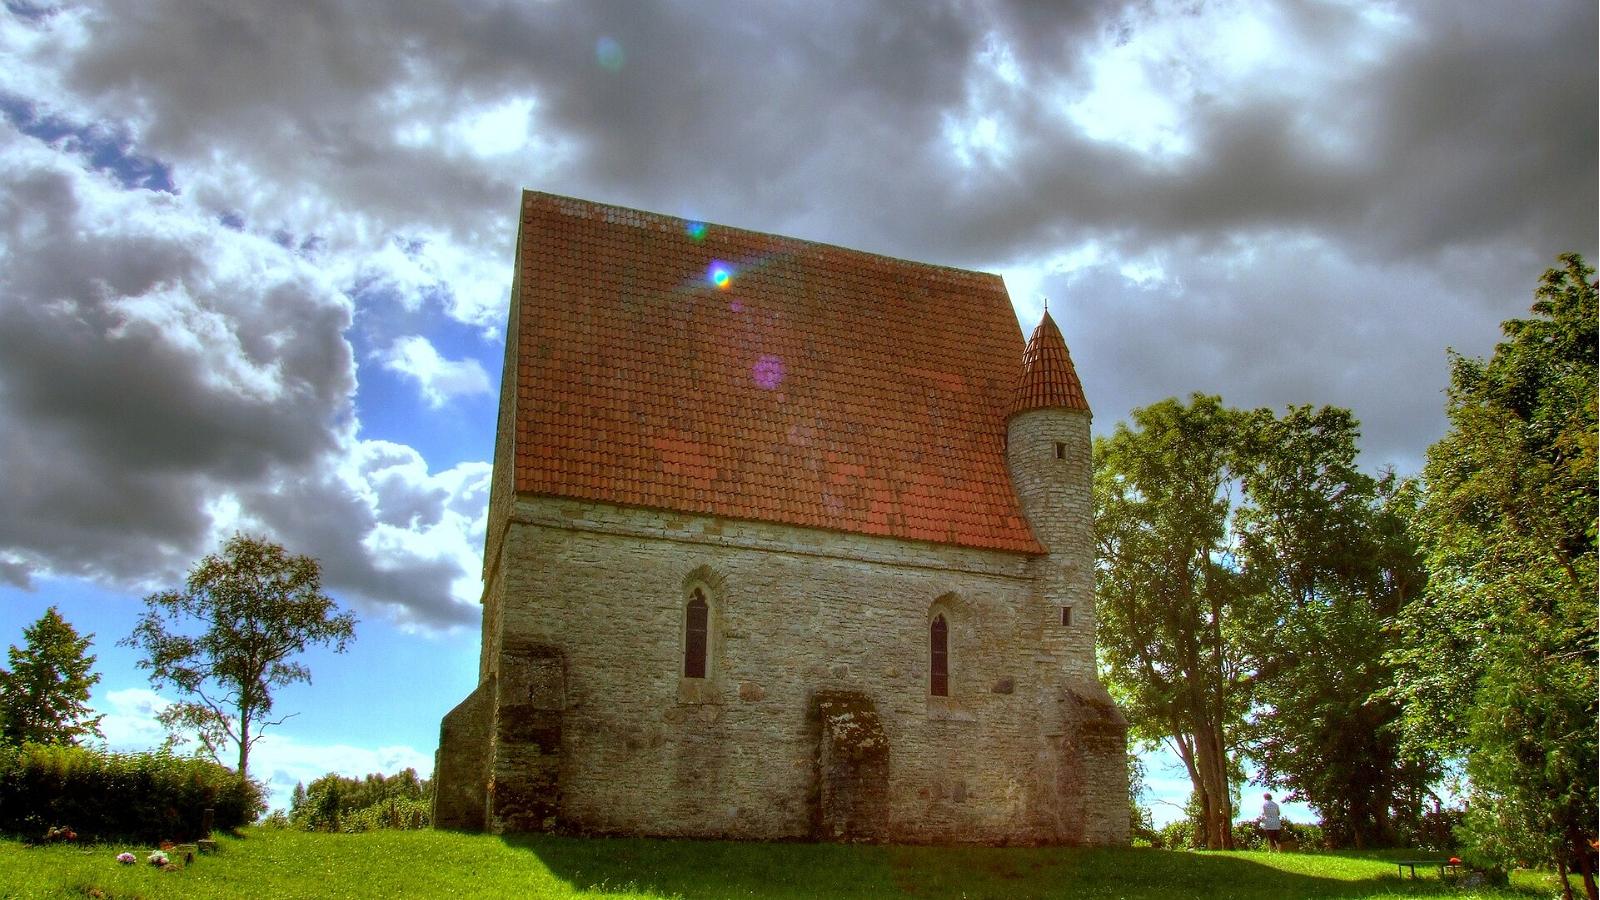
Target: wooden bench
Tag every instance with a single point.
(1443, 865)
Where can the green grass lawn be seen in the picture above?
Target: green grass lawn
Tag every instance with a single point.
(272, 863)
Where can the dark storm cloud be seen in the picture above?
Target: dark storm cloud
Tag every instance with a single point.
(137, 373)
(154, 365)
(832, 118)
(1476, 127)
(1312, 331)
(1387, 182)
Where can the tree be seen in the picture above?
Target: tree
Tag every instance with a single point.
(1166, 588)
(1246, 569)
(336, 803)
(44, 699)
(1328, 550)
(256, 607)
(1499, 656)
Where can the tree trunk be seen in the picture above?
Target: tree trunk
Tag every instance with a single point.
(1580, 845)
(1212, 766)
(244, 748)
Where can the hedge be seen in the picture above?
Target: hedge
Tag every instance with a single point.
(104, 796)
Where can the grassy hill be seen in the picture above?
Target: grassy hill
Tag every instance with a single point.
(273, 863)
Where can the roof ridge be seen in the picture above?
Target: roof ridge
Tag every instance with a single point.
(627, 212)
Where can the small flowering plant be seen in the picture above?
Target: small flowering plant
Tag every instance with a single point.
(158, 858)
(126, 858)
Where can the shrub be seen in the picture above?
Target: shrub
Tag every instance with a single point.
(1247, 835)
(1306, 837)
(1179, 834)
(398, 814)
(104, 796)
(336, 803)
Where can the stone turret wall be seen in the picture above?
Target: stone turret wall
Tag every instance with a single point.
(1050, 456)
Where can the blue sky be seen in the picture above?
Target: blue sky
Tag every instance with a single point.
(256, 258)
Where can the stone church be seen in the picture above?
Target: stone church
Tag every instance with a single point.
(785, 541)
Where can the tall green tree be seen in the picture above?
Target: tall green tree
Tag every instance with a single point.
(44, 698)
(230, 637)
(1167, 589)
(1246, 571)
(1499, 657)
(1329, 550)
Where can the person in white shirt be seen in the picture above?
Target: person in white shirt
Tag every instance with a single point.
(1271, 823)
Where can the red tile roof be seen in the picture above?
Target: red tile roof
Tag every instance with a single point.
(671, 364)
(1048, 377)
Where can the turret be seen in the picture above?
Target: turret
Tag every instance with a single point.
(1048, 450)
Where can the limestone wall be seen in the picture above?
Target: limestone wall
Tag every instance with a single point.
(793, 612)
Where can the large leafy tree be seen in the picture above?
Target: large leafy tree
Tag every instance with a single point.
(1246, 569)
(1167, 589)
(1499, 658)
(230, 637)
(44, 698)
(1332, 562)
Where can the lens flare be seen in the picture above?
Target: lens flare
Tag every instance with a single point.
(608, 53)
(695, 230)
(721, 275)
(767, 373)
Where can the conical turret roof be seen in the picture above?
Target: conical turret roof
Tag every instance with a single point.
(1048, 379)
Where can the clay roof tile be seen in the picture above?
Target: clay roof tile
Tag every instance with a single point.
(1049, 379)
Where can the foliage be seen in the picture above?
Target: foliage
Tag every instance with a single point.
(1434, 830)
(335, 803)
(1246, 569)
(44, 698)
(1182, 834)
(1499, 659)
(1332, 561)
(1166, 588)
(288, 863)
(137, 796)
(257, 607)
(1247, 835)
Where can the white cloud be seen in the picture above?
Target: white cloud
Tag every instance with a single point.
(130, 719)
(440, 380)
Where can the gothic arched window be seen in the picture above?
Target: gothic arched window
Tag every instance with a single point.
(695, 636)
(939, 669)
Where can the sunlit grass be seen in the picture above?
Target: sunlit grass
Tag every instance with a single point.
(270, 863)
